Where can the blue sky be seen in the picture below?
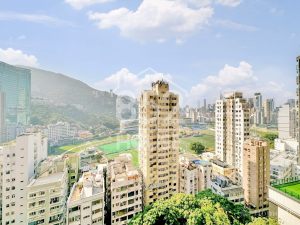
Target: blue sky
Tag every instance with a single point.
(203, 47)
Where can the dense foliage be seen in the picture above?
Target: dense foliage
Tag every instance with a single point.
(205, 208)
(197, 147)
(44, 114)
(270, 136)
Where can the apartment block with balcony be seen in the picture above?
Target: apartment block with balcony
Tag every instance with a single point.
(87, 199)
(126, 192)
(47, 193)
(256, 176)
(19, 162)
(232, 129)
(159, 141)
(194, 174)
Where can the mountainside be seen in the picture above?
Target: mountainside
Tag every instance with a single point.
(60, 89)
(59, 97)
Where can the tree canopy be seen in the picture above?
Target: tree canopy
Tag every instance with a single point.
(197, 147)
(205, 208)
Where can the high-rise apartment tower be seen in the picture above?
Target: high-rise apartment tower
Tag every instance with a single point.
(159, 141)
(232, 129)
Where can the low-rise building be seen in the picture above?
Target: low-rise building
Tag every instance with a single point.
(125, 190)
(60, 133)
(223, 186)
(220, 168)
(129, 126)
(90, 158)
(282, 165)
(86, 201)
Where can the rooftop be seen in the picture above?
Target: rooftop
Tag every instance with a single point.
(56, 177)
(283, 160)
(291, 188)
(90, 184)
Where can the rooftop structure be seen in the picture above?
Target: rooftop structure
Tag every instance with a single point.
(221, 185)
(125, 190)
(86, 201)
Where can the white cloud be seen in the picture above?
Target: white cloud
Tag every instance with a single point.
(17, 57)
(229, 78)
(235, 26)
(276, 11)
(80, 4)
(231, 3)
(34, 18)
(240, 78)
(21, 37)
(124, 82)
(155, 20)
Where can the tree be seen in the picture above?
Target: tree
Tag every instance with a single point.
(236, 212)
(197, 147)
(270, 136)
(182, 209)
(263, 221)
(205, 208)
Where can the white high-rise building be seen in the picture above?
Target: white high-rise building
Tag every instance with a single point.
(159, 141)
(60, 133)
(268, 107)
(47, 193)
(232, 129)
(20, 159)
(287, 122)
(259, 111)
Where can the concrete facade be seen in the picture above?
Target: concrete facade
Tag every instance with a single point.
(231, 130)
(256, 174)
(159, 141)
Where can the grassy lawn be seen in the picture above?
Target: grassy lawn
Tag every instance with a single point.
(207, 138)
(118, 147)
(95, 143)
(292, 189)
(264, 133)
(113, 146)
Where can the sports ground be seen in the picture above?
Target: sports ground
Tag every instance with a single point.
(119, 147)
(292, 188)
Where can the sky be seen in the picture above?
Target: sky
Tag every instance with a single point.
(202, 47)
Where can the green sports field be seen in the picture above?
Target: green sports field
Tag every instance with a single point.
(292, 188)
(119, 147)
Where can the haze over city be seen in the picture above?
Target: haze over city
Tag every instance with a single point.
(149, 112)
(220, 45)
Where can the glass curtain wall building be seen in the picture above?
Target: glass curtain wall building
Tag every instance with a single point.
(15, 87)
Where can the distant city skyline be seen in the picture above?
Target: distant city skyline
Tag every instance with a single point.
(205, 47)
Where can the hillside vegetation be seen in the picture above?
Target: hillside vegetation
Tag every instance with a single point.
(58, 97)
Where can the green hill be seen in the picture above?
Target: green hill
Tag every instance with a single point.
(57, 97)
